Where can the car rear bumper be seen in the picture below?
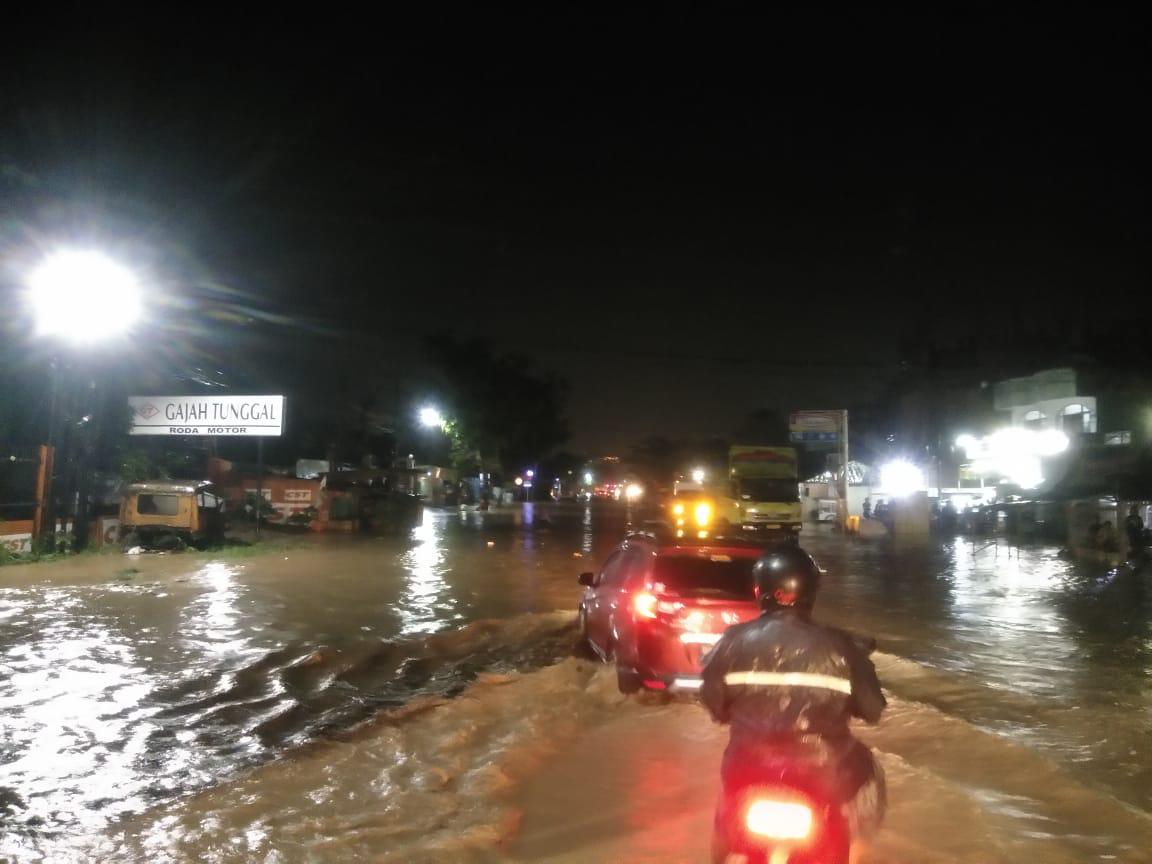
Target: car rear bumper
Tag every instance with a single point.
(672, 661)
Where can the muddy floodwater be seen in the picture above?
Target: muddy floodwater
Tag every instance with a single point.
(412, 698)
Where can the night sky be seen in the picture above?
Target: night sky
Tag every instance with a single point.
(689, 217)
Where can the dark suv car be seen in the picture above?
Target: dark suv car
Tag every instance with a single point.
(657, 606)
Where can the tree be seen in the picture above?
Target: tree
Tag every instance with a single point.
(501, 414)
(657, 460)
(766, 426)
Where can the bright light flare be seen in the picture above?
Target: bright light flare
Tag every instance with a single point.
(634, 491)
(702, 513)
(83, 297)
(1013, 453)
(779, 820)
(698, 475)
(645, 604)
(588, 478)
(900, 478)
(431, 417)
(694, 620)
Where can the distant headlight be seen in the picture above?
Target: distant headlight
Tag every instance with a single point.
(703, 513)
(634, 491)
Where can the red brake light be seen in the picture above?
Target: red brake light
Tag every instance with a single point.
(645, 604)
(779, 820)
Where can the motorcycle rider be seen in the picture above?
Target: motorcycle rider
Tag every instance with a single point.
(788, 687)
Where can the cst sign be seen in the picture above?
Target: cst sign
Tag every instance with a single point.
(207, 415)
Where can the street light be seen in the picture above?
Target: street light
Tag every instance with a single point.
(79, 297)
(431, 417)
(83, 297)
(900, 478)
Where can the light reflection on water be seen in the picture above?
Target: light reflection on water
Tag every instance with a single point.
(212, 622)
(1017, 641)
(74, 726)
(425, 595)
(118, 692)
(113, 696)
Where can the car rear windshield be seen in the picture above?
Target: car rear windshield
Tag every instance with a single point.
(705, 576)
(764, 489)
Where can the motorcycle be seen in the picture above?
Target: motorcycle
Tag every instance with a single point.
(780, 817)
(784, 808)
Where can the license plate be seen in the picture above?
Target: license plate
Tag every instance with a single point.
(699, 638)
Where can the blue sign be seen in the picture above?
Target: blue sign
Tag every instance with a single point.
(816, 437)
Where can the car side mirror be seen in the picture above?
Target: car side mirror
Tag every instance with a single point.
(587, 579)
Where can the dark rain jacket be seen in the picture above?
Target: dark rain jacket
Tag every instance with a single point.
(788, 687)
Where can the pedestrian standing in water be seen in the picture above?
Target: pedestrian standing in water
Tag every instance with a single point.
(1094, 532)
(1134, 528)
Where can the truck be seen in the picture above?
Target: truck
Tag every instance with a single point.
(760, 495)
(764, 490)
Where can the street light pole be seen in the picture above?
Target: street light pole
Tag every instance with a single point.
(80, 298)
(45, 525)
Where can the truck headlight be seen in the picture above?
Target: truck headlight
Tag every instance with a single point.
(703, 513)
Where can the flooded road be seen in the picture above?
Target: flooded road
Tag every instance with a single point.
(401, 699)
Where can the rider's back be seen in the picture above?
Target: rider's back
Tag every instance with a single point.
(784, 676)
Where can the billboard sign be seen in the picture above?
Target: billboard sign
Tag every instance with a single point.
(764, 462)
(207, 415)
(816, 427)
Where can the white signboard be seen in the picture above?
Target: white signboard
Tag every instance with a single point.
(820, 427)
(17, 544)
(207, 415)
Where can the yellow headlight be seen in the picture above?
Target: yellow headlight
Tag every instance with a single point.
(703, 513)
(678, 509)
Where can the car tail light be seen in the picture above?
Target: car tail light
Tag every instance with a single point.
(645, 604)
(778, 820)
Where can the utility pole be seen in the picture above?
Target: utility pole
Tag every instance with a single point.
(43, 494)
(259, 481)
(844, 469)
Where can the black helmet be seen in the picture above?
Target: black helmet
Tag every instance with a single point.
(786, 578)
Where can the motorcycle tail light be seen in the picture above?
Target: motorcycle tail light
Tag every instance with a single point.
(779, 820)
